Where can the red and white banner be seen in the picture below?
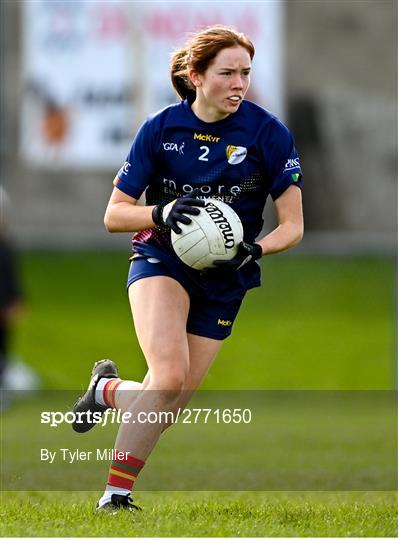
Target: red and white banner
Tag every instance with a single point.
(93, 71)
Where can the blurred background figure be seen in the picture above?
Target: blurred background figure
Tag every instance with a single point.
(14, 373)
(10, 291)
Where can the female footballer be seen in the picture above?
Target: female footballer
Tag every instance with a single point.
(180, 156)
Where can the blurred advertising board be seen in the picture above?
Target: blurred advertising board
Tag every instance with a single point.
(93, 71)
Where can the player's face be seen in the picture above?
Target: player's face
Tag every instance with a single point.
(220, 90)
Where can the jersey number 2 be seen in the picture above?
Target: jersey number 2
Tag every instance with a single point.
(203, 157)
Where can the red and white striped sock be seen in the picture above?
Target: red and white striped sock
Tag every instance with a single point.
(105, 391)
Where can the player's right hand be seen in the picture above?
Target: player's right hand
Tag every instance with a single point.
(176, 211)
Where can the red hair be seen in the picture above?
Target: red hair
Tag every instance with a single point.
(200, 51)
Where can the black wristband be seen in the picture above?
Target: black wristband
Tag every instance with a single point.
(157, 214)
(257, 251)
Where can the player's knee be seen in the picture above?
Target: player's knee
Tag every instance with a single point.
(170, 381)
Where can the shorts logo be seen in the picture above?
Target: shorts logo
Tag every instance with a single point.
(167, 146)
(206, 138)
(222, 322)
(235, 154)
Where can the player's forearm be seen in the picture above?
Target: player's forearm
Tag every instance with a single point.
(126, 217)
(284, 237)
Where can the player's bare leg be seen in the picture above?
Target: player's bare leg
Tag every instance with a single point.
(160, 309)
(122, 393)
(128, 391)
(202, 352)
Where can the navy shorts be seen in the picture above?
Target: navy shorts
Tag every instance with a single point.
(207, 317)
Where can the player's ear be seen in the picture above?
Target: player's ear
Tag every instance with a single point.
(194, 77)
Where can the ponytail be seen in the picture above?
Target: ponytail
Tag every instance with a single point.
(179, 74)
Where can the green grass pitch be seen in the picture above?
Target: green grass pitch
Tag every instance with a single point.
(316, 324)
(205, 514)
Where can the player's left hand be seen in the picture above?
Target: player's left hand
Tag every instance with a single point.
(246, 253)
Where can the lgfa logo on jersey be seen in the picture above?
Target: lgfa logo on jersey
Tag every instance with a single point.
(167, 146)
(235, 154)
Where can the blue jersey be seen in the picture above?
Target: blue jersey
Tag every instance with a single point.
(240, 160)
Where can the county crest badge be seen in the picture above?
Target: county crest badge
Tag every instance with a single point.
(235, 154)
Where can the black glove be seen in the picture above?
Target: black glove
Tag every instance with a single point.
(246, 253)
(172, 213)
